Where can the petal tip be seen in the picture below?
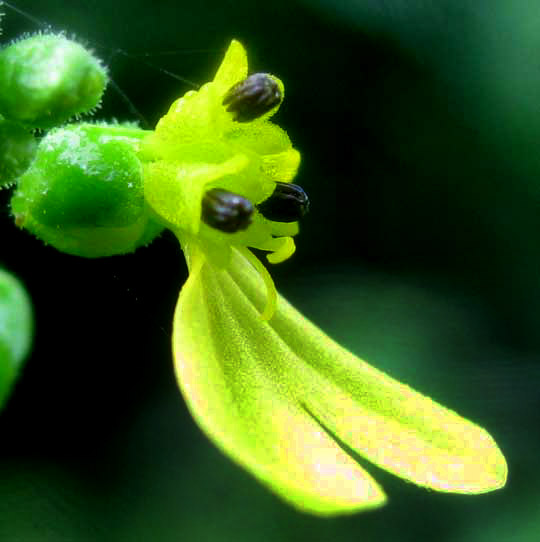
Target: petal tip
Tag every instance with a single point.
(332, 509)
(479, 471)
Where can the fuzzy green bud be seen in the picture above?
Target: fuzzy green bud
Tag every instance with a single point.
(48, 79)
(16, 323)
(84, 194)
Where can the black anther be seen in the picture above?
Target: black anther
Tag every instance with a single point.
(252, 97)
(288, 203)
(226, 211)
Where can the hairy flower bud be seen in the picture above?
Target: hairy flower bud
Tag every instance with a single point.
(84, 194)
(48, 79)
(16, 323)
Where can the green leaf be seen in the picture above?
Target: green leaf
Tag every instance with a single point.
(271, 394)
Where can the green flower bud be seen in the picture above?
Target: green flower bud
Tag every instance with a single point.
(83, 193)
(17, 148)
(16, 324)
(48, 79)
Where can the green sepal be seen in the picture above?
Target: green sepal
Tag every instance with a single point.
(84, 193)
(16, 325)
(48, 79)
(273, 394)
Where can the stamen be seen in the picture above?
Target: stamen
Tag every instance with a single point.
(253, 97)
(226, 211)
(271, 293)
(284, 252)
(288, 203)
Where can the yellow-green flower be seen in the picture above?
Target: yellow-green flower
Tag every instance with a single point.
(267, 386)
(199, 146)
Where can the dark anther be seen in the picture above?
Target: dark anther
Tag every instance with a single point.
(288, 203)
(226, 211)
(252, 97)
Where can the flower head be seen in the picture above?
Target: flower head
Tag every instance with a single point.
(220, 137)
(275, 393)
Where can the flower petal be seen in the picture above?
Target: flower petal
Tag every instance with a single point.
(233, 68)
(262, 137)
(271, 394)
(232, 370)
(279, 160)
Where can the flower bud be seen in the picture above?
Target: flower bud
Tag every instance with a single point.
(288, 203)
(16, 323)
(48, 79)
(253, 97)
(226, 211)
(84, 194)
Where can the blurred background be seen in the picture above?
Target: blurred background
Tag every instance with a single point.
(419, 127)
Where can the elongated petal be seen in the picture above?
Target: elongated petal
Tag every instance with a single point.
(229, 364)
(272, 394)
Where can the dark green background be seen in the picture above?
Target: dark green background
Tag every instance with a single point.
(419, 127)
